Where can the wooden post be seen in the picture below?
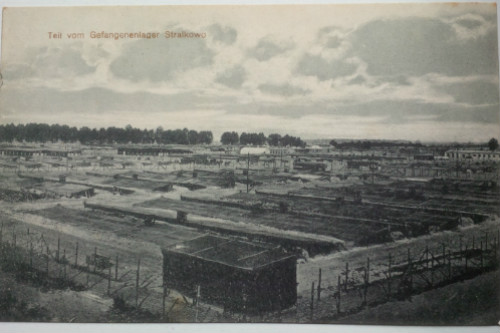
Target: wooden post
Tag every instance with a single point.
(432, 270)
(389, 275)
(137, 282)
(338, 295)
(346, 275)
(427, 257)
(449, 264)
(486, 242)
(312, 301)
(319, 285)
(367, 279)
(58, 248)
(116, 268)
(460, 249)
(473, 245)
(95, 258)
(64, 263)
(76, 255)
(15, 238)
(410, 273)
(312, 295)
(197, 301)
(164, 296)
(109, 280)
(481, 252)
(248, 171)
(47, 267)
(444, 254)
(466, 259)
(1, 233)
(31, 255)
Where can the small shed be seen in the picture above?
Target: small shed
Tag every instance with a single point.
(240, 276)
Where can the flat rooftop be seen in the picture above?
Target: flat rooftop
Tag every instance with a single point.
(229, 252)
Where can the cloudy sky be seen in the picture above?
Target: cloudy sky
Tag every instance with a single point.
(415, 72)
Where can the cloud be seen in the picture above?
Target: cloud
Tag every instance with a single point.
(471, 26)
(417, 46)
(161, 59)
(282, 89)
(268, 48)
(92, 101)
(50, 62)
(233, 77)
(474, 93)
(313, 65)
(223, 34)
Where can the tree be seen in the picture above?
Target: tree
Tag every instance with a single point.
(493, 144)
(205, 137)
(274, 139)
(230, 138)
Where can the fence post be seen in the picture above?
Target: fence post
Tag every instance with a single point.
(137, 282)
(486, 242)
(410, 273)
(197, 301)
(47, 267)
(116, 269)
(427, 257)
(76, 255)
(473, 244)
(466, 259)
(64, 263)
(444, 254)
(346, 275)
(389, 274)
(481, 252)
(164, 296)
(1, 233)
(338, 295)
(31, 255)
(319, 285)
(58, 248)
(109, 280)
(367, 279)
(460, 249)
(95, 258)
(449, 264)
(432, 269)
(312, 296)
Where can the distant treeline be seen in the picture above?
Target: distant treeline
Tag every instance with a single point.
(52, 133)
(259, 139)
(34, 132)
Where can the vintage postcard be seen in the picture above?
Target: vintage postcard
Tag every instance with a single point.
(325, 164)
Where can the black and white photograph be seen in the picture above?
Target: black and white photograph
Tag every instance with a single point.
(291, 163)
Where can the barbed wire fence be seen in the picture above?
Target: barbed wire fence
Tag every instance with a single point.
(65, 263)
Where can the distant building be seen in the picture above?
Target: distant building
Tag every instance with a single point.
(281, 151)
(476, 155)
(423, 157)
(255, 151)
(29, 152)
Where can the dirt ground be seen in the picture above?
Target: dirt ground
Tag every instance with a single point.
(132, 239)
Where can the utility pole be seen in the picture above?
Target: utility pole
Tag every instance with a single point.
(248, 170)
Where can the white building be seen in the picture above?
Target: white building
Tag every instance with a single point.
(255, 151)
